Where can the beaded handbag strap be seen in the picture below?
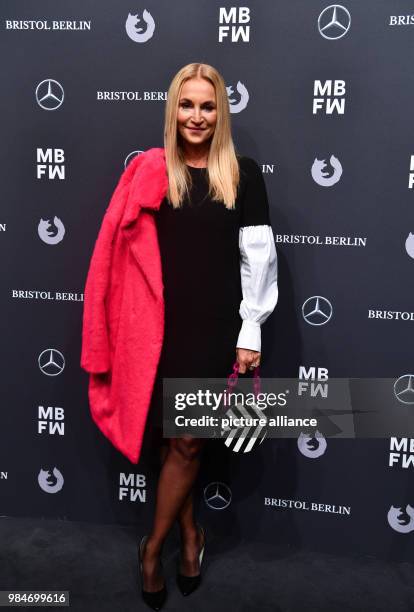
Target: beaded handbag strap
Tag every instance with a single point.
(233, 378)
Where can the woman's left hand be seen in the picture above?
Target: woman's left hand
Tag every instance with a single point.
(247, 359)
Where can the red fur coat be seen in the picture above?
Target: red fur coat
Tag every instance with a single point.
(123, 316)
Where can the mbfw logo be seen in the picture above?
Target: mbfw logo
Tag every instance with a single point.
(329, 97)
(51, 232)
(334, 22)
(217, 495)
(132, 487)
(50, 163)
(314, 388)
(409, 245)
(325, 174)
(401, 520)
(243, 95)
(136, 32)
(49, 94)
(50, 481)
(238, 16)
(404, 389)
(317, 310)
(401, 452)
(51, 420)
(51, 362)
(312, 446)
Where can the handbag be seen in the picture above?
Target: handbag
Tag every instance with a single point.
(251, 435)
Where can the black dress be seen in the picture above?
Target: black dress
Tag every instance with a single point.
(199, 246)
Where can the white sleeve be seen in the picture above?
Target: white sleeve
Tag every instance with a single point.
(258, 271)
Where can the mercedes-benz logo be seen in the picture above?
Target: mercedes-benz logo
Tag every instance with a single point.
(49, 94)
(334, 22)
(404, 389)
(317, 310)
(131, 156)
(51, 362)
(217, 495)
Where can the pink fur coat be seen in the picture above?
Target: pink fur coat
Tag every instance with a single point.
(123, 316)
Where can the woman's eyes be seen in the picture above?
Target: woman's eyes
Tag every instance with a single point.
(187, 105)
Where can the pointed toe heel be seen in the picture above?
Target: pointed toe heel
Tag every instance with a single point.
(154, 599)
(188, 584)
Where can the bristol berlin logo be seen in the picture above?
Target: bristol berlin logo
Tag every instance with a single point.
(317, 310)
(137, 33)
(49, 94)
(334, 22)
(217, 495)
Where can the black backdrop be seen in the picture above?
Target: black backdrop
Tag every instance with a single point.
(54, 462)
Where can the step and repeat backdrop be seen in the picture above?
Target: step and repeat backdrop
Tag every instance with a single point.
(321, 97)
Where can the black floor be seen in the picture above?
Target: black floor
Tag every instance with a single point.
(98, 565)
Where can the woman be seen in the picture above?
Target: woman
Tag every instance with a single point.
(220, 283)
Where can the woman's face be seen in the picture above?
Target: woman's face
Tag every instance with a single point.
(197, 111)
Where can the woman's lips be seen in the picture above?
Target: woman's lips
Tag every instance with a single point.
(196, 129)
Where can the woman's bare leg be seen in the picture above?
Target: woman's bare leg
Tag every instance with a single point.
(178, 473)
(190, 535)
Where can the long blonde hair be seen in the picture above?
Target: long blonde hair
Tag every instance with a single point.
(223, 168)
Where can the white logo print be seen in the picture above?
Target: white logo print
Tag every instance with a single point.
(321, 176)
(237, 107)
(399, 522)
(49, 94)
(334, 22)
(49, 235)
(217, 495)
(312, 446)
(56, 477)
(404, 389)
(244, 438)
(51, 362)
(138, 34)
(317, 310)
(409, 245)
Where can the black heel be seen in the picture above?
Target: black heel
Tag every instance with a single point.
(155, 599)
(188, 584)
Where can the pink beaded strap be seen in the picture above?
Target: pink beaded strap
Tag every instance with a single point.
(232, 379)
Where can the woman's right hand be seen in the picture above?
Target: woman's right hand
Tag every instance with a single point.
(247, 359)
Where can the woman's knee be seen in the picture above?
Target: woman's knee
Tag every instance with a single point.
(187, 448)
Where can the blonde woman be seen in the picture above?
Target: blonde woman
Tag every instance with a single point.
(219, 270)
